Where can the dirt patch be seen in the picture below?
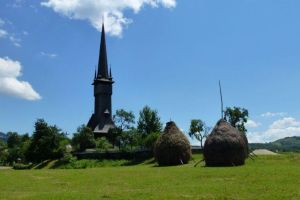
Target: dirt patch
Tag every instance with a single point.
(264, 152)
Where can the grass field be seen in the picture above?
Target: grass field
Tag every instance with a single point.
(267, 177)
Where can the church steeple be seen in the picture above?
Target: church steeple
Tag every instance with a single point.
(101, 120)
(102, 65)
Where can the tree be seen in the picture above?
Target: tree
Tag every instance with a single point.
(13, 139)
(123, 119)
(149, 122)
(17, 146)
(3, 152)
(114, 136)
(237, 117)
(83, 139)
(198, 130)
(45, 142)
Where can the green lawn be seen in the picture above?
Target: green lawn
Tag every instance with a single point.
(267, 177)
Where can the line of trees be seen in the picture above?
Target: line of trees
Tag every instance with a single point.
(49, 142)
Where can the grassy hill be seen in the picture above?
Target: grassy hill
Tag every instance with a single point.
(265, 177)
(288, 144)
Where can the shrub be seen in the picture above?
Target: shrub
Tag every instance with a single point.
(68, 158)
(150, 140)
(172, 147)
(20, 166)
(225, 146)
(103, 144)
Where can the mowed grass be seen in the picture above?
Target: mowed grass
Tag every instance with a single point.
(266, 177)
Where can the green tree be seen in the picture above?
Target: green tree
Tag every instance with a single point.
(13, 139)
(149, 122)
(133, 137)
(237, 117)
(198, 130)
(124, 120)
(3, 153)
(83, 139)
(45, 142)
(114, 136)
(17, 146)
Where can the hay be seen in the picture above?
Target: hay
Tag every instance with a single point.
(225, 146)
(172, 147)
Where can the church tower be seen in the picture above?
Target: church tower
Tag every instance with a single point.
(101, 120)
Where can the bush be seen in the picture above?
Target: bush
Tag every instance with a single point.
(68, 158)
(150, 140)
(20, 166)
(225, 146)
(103, 144)
(172, 147)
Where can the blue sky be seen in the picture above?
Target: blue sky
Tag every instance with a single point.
(168, 54)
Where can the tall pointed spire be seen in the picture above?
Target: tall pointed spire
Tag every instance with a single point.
(95, 77)
(102, 65)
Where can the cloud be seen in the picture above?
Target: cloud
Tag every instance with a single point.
(111, 10)
(11, 37)
(285, 127)
(10, 70)
(3, 33)
(15, 41)
(273, 114)
(252, 124)
(50, 55)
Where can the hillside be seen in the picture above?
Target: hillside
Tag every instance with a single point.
(285, 144)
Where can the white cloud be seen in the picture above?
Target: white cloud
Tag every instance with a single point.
(16, 41)
(285, 127)
(50, 55)
(10, 70)
(111, 10)
(252, 124)
(274, 114)
(3, 33)
(285, 123)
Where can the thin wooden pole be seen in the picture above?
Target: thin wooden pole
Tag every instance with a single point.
(222, 108)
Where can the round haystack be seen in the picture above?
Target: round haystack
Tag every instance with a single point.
(172, 147)
(225, 146)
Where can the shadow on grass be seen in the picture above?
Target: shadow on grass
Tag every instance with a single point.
(139, 161)
(42, 164)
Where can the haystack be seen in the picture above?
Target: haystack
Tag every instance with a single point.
(172, 147)
(225, 146)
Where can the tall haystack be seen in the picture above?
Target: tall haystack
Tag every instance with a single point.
(225, 146)
(172, 147)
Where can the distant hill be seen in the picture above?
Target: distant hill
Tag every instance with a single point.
(3, 136)
(285, 144)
